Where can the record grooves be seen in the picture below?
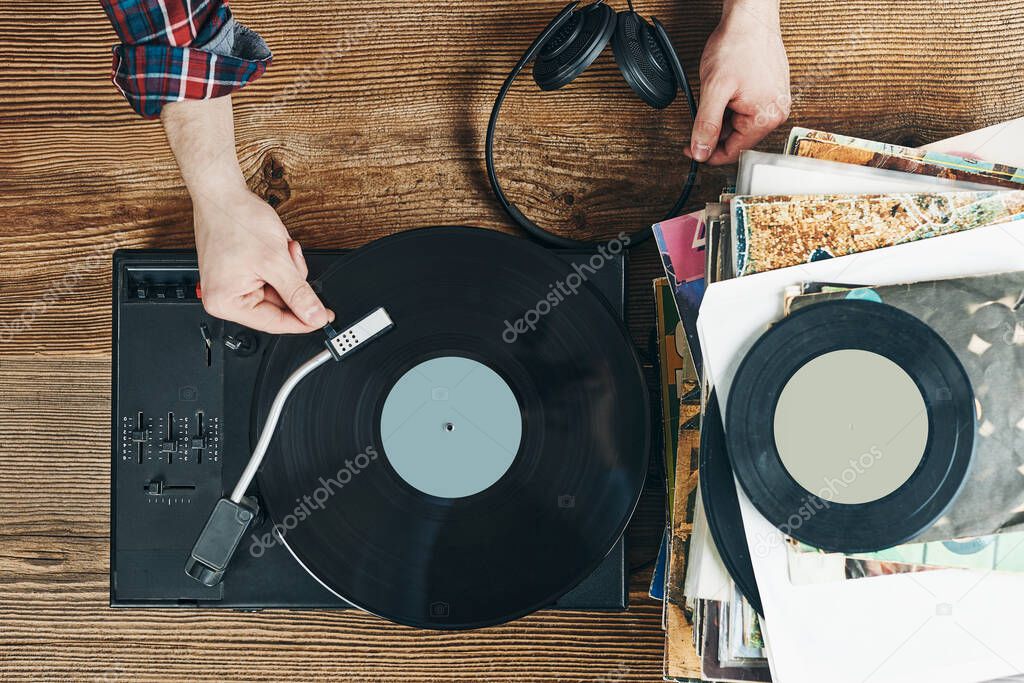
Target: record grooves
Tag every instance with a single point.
(582, 433)
(721, 505)
(794, 342)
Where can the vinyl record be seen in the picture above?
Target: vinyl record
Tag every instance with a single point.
(722, 507)
(818, 512)
(479, 460)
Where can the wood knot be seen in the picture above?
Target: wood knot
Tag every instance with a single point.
(271, 183)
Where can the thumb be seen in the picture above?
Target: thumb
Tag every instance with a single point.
(707, 127)
(296, 293)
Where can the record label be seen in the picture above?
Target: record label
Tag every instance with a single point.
(874, 423)
(451, 427)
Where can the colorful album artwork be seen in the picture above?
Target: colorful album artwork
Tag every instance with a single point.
(681, 661)
(678, 376)
(715, 664)
(679, 401)
(680, 405)
(787, 230)
(682, 244)
(997, 552)
(818, 144)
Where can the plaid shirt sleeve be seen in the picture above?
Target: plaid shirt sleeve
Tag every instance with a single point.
(181, 49)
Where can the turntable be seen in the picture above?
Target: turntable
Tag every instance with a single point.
(478, 462)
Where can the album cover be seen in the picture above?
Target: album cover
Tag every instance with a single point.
(712, 667)
(680, 393)
(741, 642)
(778, 231)
(719, 230)
(850, 150)
(677, 379)
(982, 320)
(681, 661)
(996, 552)
(657, 587)
(682, 245)
(678, 376)
(681, 523)
(766, 173)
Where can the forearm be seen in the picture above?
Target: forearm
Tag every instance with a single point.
(201, 134)
(764, 11)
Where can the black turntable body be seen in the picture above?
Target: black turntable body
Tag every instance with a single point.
(188, 396)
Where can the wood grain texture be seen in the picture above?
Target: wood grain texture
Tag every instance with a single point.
(371, 120)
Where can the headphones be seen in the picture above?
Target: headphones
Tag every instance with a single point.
(564, 50)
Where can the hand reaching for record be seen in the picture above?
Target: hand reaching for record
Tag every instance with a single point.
(744, 82)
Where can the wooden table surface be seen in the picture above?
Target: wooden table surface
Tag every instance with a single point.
(370, 121)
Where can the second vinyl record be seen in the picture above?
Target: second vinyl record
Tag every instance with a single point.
(478, 461)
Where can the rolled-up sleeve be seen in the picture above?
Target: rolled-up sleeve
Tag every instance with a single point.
(174, 50)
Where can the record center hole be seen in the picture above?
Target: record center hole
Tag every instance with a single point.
(448, 427)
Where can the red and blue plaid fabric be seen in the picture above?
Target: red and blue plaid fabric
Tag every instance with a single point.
(161, 57)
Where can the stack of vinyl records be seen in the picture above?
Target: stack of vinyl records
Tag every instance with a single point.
(842, 350)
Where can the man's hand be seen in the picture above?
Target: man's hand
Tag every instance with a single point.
(744, 76)
(251, 272)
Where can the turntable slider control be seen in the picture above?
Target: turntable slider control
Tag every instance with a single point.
(158, 487)
(198, 440)
(140, 435)
(169, 445)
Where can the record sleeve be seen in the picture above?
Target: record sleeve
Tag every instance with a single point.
(777, 231)
(982, 320)
(763, 173)
(847, 149)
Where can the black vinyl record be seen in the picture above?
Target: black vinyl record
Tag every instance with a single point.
(948, 401)
(393, 547)
(721, 505)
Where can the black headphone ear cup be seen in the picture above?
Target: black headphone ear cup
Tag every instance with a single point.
(574, 46)
(643, 60)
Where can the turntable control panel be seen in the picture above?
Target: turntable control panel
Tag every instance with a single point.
(168, 427)
(170, 438)
(161, 442)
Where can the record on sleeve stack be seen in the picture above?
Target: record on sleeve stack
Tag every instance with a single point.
(478, 461)
(904, 487)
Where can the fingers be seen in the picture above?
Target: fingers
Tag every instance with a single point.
(277, 299)
(289, 281)
(710, 113)
(295, 251)
(268, 294)
(269, 317)
(261, 309)
(748, 130)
